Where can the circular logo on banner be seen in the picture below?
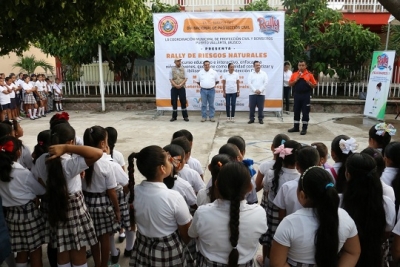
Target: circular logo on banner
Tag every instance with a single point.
(168, 26)
(383, 61)
(268, 24)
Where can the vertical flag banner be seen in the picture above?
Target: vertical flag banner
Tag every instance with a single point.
(221, 38)
(379, 84)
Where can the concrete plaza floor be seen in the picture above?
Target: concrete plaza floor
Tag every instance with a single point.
(139, 129)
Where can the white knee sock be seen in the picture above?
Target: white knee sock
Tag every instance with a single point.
(30, 113)
(83, 265)
(34, 112)
(113, 249)
(60, 106)
(130, 239)
(64, 265)
(21, 264)
(42, 110)
(57, 108)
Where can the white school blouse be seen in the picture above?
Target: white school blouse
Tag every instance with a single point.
(285, 176)
(103, 176)
(26, 157)
(120, 175)
(286, 77)
(22, 188)
(41, 86)
(195, 165)
(159, 210)
(192, 177)
(4, 98)
(72, 168)
(297, 231)
(13, 87)
(211, 226)
(186, 190)
(396, 229)
(336, 166)
(118, 158)
(388, 191)
(230, 82)
(202, 196)
(286, 199)
(388, 175)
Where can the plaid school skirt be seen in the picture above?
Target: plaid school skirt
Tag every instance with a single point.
(123, 209)
(78, 231)
(272, 222)
(204, 262)
(44, 209)
(164, 251)
(26, 226)
(29, 99)
(264, 200)
(42, 95)
(102, 213)
(298, 264)
(56, 97)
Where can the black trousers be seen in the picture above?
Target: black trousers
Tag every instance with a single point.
(302, 105)
(181, 94)
(256, 101)
(286, 96)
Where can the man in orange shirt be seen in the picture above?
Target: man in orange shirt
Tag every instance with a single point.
(302, 82)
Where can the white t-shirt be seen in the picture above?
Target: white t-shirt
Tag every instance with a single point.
(192, 177)
(286, 77)
(22, 188)
(103, 176)
(118, 158)
(285, 176)
(4, 95)
(207, 79)
(257, 81)
(41, 86)
(186, 190)
(388, 175)
(286, 199)
(27, 86)
(195, 165)
(159, 210)
(230, 82)
(297, 231)
(202, 197)
(210, 225)
(13, 87)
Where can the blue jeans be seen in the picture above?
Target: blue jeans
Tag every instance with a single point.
(230, 101)
(207, 97)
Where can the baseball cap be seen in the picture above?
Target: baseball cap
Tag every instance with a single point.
(176, 59)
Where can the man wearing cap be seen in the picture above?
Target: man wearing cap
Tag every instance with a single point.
(207, 78)
(178, 78)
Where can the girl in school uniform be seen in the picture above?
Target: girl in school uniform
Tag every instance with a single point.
(265, 166)
(58, 94)
(284, 170)
(72, 227)
(42, 146)
(373, 213)
(314, 235)
(228, 229)
(209, 195)
(29, 97)
(162, 216)
(99, 189)
(380, 136)
(391, 174)
(341, 148)
(42, 96)
(323, 155)
(18, 190)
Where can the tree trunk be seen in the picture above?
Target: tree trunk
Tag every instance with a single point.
(392, 6)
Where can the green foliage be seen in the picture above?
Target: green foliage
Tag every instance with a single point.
(394, 38)
(29, 64)
(261, 5)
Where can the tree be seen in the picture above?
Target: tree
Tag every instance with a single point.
(394, 38)
(122, 42)
(23, 21)
(392, 6)
(30, 64)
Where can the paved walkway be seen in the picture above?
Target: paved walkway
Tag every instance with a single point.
(139, 129)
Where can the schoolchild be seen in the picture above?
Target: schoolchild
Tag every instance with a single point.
(380, 136)
(29, 98)
(323, 155)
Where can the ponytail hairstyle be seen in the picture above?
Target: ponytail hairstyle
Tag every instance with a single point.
(9, 147)
(285, 158)
(363, 200)
(112, 138)
(322, 150)
(278, 139)
(56, 186)
(175, 152)
(381, 133)
(322, 196)
(93, 137)
(376, 154)
(340, 157)
(148, 160)
(306, 157)
(215, 166)
(233, 183)
(231, 150)
(392, 152)
(239, 142)
(131, 186)
(42, 146)
(59, 118)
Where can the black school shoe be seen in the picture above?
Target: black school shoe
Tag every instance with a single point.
(115, 259)
(128, 253)
(303, 132)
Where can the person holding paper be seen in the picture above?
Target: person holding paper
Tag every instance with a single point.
(257, 81)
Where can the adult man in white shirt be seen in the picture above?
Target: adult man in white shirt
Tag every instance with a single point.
(287, 73)
(257, 81)
(207, 78)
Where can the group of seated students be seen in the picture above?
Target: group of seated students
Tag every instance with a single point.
(74, 195)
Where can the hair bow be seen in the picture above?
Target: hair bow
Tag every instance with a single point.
(63, 115)
(282, 151)
(382, 128)
(8, 146)
(348, 145)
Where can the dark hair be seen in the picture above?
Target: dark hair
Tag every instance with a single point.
(131, 186)
(392, 152)
(7, 79)
(173, 150)
(56, 185)
(56, 120)
(25, 76)
(148, 159)
(342, 157)
(229, 64)
(112, 139)
(205, 61)
(256, 61)
(182, 142)
(233, 183)
(42, 146)
(306, 157)
(286, 63)
(239, 142)
(184, 133)
(92, 137)
(5, 129)
(382, 141)
(380, 162)
(321, 148)
(363, 200)
(215, 166)
(278, 140)
(231, 150)
(316, 184)
(7, 158)
(303, 61)
(279, 162)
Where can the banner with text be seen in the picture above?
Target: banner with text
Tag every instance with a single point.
(221, 38)
(379, 83)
